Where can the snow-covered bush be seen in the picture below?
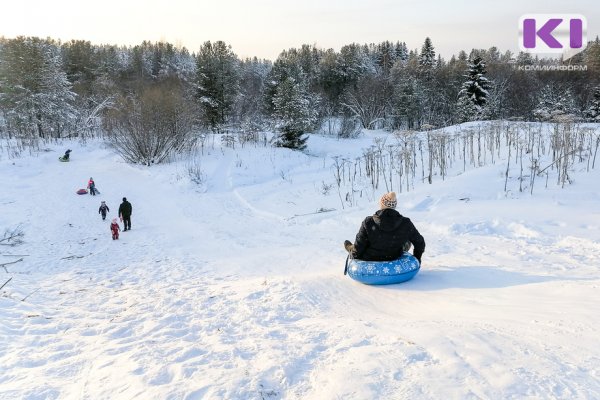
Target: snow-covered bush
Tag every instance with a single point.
(148, 127)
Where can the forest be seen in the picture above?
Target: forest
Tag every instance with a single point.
(156, 99)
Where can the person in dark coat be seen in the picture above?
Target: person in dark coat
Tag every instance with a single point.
(66, 156)
(125, 214)
(386, 235)
(103, 210)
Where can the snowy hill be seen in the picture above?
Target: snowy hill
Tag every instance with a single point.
(234, 289)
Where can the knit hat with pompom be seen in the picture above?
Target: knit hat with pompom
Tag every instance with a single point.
(388, 200)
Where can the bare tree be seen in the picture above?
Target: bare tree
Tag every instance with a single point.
(149, 127)
(367, 102)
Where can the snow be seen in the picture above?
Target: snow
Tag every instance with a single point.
(234, 289)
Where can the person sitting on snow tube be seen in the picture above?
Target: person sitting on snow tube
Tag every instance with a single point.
(386, 235)
(66, 156)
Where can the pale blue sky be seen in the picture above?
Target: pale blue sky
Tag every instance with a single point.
(265, 27)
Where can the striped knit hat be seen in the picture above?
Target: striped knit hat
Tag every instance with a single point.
(388, 200)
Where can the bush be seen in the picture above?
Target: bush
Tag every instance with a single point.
(148, 127)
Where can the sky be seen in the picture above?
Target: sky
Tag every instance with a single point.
(264, 28)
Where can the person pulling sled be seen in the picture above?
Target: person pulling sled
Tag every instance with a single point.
(92, 187)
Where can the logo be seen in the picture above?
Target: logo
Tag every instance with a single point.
(564, 34)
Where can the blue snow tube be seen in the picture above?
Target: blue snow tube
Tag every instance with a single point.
(384, 272)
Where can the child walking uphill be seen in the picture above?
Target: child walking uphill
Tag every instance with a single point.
(103, 210)
(115, 228)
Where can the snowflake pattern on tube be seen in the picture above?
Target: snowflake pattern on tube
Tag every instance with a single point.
(406, 263)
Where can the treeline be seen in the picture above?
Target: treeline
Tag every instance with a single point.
(149, 98)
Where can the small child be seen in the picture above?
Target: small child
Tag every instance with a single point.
(115, 228)
(103, 209)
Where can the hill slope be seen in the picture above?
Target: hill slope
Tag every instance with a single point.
(234, 288)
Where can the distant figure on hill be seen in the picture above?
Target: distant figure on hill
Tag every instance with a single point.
(115, 228)
(125, 210)
(66, 156)
(103, 209)
(92, 187)
(386, 235)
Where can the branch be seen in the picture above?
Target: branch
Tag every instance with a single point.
(12, 238)
(72, 257)
(12, 262)
(9, 279)
(25, 298)
(319, 211)
(558, 159)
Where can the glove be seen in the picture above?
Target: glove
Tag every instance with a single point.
(348, 246)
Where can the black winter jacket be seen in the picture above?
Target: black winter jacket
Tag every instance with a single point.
(125, 209)
(382, 236)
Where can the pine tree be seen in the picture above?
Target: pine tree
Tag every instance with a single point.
(427, 59)
(385, 56)
(35, 93)
(592, 55)
(474, 93)
(593, 111)
(465, 109)
(295, 113)
(286, 66)
(218, 82)
(409, 98)
(476, 86)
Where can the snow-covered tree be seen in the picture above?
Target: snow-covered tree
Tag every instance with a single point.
(593, 111)
(553, 102)
(592, 55)
(340, 71)
(355, 62)
(285, 67)
(427, 58)
(367, 100)
(409, 98)
(477, 85)
(35, 93)
(466, 110)
(473, 95)
(295, 113)
(151, 125)
(248, 105)
(218, 82)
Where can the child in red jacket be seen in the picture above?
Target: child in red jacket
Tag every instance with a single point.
(115, 228)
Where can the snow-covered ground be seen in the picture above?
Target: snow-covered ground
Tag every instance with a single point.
(234, 289)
